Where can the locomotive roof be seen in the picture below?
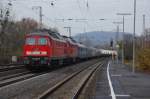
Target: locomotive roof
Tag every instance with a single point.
(70, 39)
(54, 35)
(81, 45)
(41, 34)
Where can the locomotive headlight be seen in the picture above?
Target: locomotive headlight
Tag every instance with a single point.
(28, 53)
(44, 53)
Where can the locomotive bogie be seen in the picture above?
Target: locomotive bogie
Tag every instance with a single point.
(36, 60)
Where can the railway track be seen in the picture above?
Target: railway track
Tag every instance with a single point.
(7, 68)
(9, 75)
(16, 74)
(28, 85)
(18, 78)
(70, 87)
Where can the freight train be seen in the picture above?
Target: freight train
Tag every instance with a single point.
(45, 48)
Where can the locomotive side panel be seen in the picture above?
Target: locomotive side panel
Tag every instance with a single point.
(58, 50)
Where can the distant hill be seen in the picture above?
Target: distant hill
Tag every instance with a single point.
(96, 37)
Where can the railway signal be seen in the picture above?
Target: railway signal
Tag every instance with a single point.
(111, 43)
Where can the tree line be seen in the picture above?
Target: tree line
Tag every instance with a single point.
(12, 34)
(142, 56)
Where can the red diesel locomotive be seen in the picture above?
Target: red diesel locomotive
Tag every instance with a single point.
(45, 47)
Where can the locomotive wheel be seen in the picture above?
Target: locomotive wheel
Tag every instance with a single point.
(60, 62)
(49, 65)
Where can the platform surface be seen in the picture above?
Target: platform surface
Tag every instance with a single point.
(125, 83)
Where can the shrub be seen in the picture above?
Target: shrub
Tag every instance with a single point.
(144, 59)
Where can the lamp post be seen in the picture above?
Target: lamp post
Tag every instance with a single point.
(117, 23)
(123, 14)
(134, 27)
(144, 35)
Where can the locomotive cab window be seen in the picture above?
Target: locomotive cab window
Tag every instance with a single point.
(30, 41)
(42, 41)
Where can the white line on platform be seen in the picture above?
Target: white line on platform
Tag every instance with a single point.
(123, 95)
(117, 75)
(110, 83)
(119, 95)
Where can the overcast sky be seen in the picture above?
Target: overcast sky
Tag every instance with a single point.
(77, 9)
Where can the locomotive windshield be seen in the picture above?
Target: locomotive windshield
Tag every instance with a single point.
(42, 41)
(30, 41)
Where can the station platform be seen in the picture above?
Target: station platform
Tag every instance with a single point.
(122, 84)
